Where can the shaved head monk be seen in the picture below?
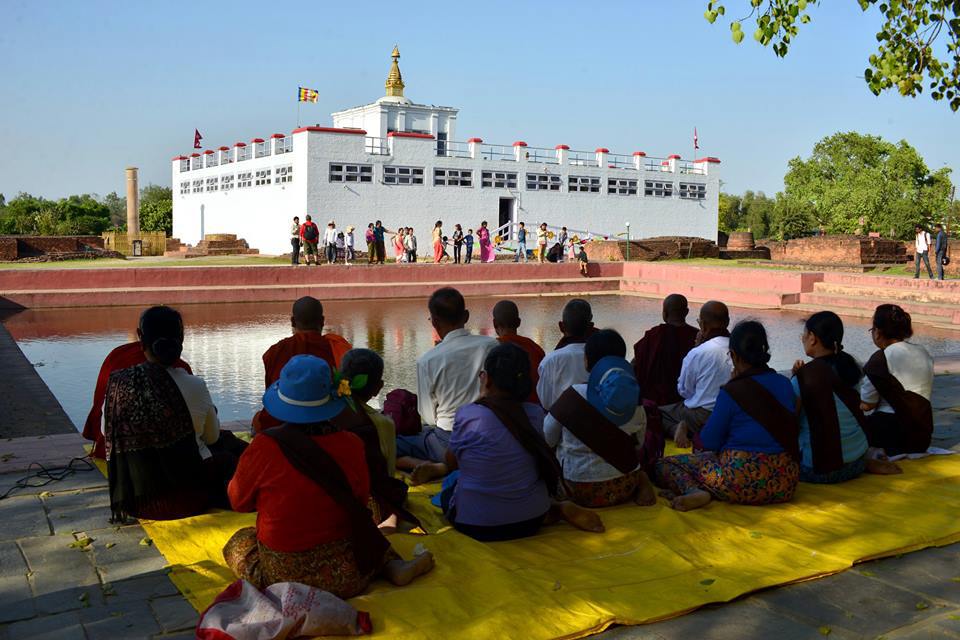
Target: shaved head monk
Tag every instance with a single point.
(704, 370)
(658, 355)
(565, 365)
(506, 321)
(307, 339)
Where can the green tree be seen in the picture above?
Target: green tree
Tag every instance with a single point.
(729, 215)
(156, 209)
(75, 215)
(756, 213)
(908, 52)
(117, 207)
(858, 183)
(790, 219)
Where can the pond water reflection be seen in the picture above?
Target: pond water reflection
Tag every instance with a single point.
(224, 342)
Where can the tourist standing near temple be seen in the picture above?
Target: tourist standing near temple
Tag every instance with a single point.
(295, 242)
(371, 244)
(486, 247)
(542, 237)
(378, 238)
(348, 241)
(521, 244)
(438, 242)
(940, 250)
(705, 369)
(410, 244)
(310, 236)
(468, 246)
(330, 242)
(562, 239)
(457, 243)
(400, 246)
(921, 252)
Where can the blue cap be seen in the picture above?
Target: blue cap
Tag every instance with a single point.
(613, 390)
(303, 394)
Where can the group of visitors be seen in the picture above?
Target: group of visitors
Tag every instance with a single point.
(923, 243)
(522, 438)
(337, 246)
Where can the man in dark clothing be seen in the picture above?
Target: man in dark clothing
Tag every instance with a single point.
(940, 249)
(310, 236)
(295, 241)
(659, 354)
(379, 243)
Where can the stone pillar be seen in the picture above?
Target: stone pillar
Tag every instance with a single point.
(602, 156)
(563, 154)
(473, 144)
(133, 204)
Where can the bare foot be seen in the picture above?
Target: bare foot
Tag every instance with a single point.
(688, 501)
(388, 526)
(645, 496)
(580, 517)
(427, 472)
(402, 572)
(682, 436)
(883, 467)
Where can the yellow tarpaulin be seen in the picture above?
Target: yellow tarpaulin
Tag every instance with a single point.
(652, 563)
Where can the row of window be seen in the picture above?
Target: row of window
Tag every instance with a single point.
(396, 175)
(242, 180)
(238, 154)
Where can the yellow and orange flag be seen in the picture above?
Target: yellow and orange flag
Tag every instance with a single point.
(308, 95)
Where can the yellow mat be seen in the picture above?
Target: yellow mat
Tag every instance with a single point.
(652, 563)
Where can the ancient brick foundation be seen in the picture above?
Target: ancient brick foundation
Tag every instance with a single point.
(215, 244)
(23, 247)
(837, 251)
(652, 249)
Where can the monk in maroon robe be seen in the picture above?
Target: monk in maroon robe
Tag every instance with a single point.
(659, 354)
(307, 339)
(506, 321)
(123, 357)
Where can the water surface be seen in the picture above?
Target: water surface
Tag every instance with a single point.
(224, 342)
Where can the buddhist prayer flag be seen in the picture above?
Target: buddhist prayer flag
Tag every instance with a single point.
(696, 140)
(308, 95)
(196, 138)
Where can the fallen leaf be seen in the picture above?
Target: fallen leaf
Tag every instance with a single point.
(145, 542)
(825, 630)
(81, 543)
(110, 545)
(922, 605)
(707, 582)
(46, 494)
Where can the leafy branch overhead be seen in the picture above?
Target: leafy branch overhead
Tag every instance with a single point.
(918, 44)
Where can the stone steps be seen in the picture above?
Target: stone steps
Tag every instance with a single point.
(702, 292)
(935, 312)
(943, 295)
(936, 321)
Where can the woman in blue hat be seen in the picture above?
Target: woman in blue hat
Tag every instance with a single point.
(309, 484)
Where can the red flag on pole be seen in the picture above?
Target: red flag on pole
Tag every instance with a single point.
(696, 140)
(196, 138)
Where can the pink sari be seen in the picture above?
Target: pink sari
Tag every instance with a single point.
(398, 249)
(486, 249)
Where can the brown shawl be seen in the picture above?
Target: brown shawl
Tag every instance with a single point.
(763, 406)
(913, 411)
(657, 360)
(592, 428)
(819, 382)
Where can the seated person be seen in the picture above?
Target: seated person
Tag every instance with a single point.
(750, 441)
(506, 321)
(307, 339)
(363, 371)
(833, 444)
(122, 357)
(563, 367)
(705, 368)
(597, 428)
(659, 354)
(507, 477)
(160, 426)
(446, 380)
(898, 386)
(309, 484)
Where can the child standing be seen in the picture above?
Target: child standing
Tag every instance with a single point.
(457, 243)
(542, 237)
(468, 246)
(582, 259)
(341, 248)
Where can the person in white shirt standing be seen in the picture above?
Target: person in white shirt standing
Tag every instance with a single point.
(921, 251)
(348, 238)
(330, 242)
(705, 369)
(565, 366)
(447, 379)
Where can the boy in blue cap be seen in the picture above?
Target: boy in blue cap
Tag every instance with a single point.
(598, 428)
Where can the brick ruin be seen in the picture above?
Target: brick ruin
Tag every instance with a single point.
(53, 248)
(836, 251)
(214, 244)
(652, 249)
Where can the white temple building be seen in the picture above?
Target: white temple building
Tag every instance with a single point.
(400, 162)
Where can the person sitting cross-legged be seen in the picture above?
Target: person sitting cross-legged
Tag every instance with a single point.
(658, 355)
(750, 442)
(309, 484)
(564, 366)
(308, 338)
(446, 380)
(506, 321)
(598, 428)
(506, 478)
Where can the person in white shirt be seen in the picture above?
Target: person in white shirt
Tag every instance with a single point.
(348, 241)
(921, 251)
(447, 379)
(613, 393)
(410, 244)
(565, 366)
(705, 369)
(898, 385)
(330, 242)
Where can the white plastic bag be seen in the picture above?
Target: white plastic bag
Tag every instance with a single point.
(282, 611)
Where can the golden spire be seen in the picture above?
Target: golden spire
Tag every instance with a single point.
(394, 82)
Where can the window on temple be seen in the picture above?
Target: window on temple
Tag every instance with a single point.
(198, 186)
(351, 172)
(184, 164)
(284, 174)
(211, 159)
(212, 183)
(499, 179)
(184, 187)
(226, 182)
(244, 180)
(262, 177)
(620, 187)
(693, 190)
(243, 153)
(543, 182)
(452, 178)
(658, 189)
(262, 149)
(282, 145)
(226, 157)
(196, 163)
(588, 184)
(402, 175)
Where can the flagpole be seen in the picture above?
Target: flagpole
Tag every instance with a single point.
(298, 112)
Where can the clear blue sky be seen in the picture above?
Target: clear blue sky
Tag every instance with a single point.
(89, 88)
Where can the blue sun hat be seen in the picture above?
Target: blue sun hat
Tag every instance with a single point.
(613, 390)
(304, 393)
